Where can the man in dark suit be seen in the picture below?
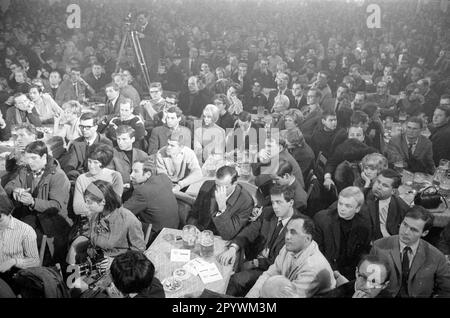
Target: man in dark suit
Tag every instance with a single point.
(261, 241)
(440, 131)
(76, 163)
(418, 269)
(412, 148)
(152, 201)
(160, 135)
(222, 205)
(96, 79)
(312, 113)
(282, 81)
(113, 100)
(149, 41)
(194, 100)
(191, 65)
(342, 233)
(254, 98)
(125, 154)
(263, 75)
(73, 88)
(299, 90)
(385, 208)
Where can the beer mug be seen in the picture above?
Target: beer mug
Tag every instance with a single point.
(189, 236)
(206, 244)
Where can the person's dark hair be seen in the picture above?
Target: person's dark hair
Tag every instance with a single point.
(416, 120)
(245, 116)
(284, 167)
(56, 145)
(223, 98)
(37, 147)
(147, 166)
(370, 109)
(176, 110)
(39, 88)
(113, 85)
(343, 116)
(101, 152)
(316, 92)
(308, 223)
(112, 199)
(359, 117)
(394, 175)
(227, 171)
(287, 192)
(418, 212)
(327, 113)
(445, 109)
(125, 129)
(132, 272)
(378, 260)
(6, 206)
(88, 116)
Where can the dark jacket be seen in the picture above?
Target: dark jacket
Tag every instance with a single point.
(421, 159)
(153, 202)
(193, 104)
(429, 274)
(160, 135)
(439, 138)
(42, 282)
(229, 223)
(225, 121)
(77, 156)
(396, 212)
(251, 101)
(257, 235)
(322, 140)
(351, 150)
(287, 93)
(12, 115)
(328, 236)
(122, 164)
(311, 121)
(304, 157)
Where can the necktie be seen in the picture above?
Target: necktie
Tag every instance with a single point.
(275, 234)
(410, 152)
(405, 272)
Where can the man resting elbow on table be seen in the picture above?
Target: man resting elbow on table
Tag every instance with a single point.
(222, 205)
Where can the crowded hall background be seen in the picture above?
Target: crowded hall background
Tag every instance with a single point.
(224, 148)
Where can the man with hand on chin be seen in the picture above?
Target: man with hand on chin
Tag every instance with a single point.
(222, 205)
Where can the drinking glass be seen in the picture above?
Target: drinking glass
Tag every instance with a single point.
(253, 152)
(189, 236)
(399, 165)
(444, 187)
(206, 244)
(260, 111)
(444, 164)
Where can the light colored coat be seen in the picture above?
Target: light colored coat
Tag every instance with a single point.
(309, 270)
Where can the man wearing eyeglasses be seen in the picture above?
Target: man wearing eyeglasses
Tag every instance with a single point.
(372, 279)
(77, 154)
(418, 269)
(412, 148)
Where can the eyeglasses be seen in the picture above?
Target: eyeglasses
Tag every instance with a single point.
(369, 283)
(82, 127)
(154, 92)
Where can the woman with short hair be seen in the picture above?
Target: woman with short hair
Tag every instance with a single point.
(210, 138)
(68, 124)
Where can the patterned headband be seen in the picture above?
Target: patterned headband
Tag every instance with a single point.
(93, 189)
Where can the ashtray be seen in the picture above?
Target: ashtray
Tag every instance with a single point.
(171, 284)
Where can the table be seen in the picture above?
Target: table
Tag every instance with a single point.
(441, 215)
(159, 254)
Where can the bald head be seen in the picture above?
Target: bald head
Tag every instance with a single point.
(274, 287)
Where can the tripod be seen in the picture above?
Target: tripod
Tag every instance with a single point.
(131, 36)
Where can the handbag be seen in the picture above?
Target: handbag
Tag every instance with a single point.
(430, 198)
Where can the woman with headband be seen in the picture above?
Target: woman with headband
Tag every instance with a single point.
(113, 229)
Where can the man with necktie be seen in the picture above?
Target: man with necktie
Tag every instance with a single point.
(261, 240)
(386, 209)
(418, 269)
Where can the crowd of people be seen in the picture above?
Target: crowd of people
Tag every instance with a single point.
(301, 95)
